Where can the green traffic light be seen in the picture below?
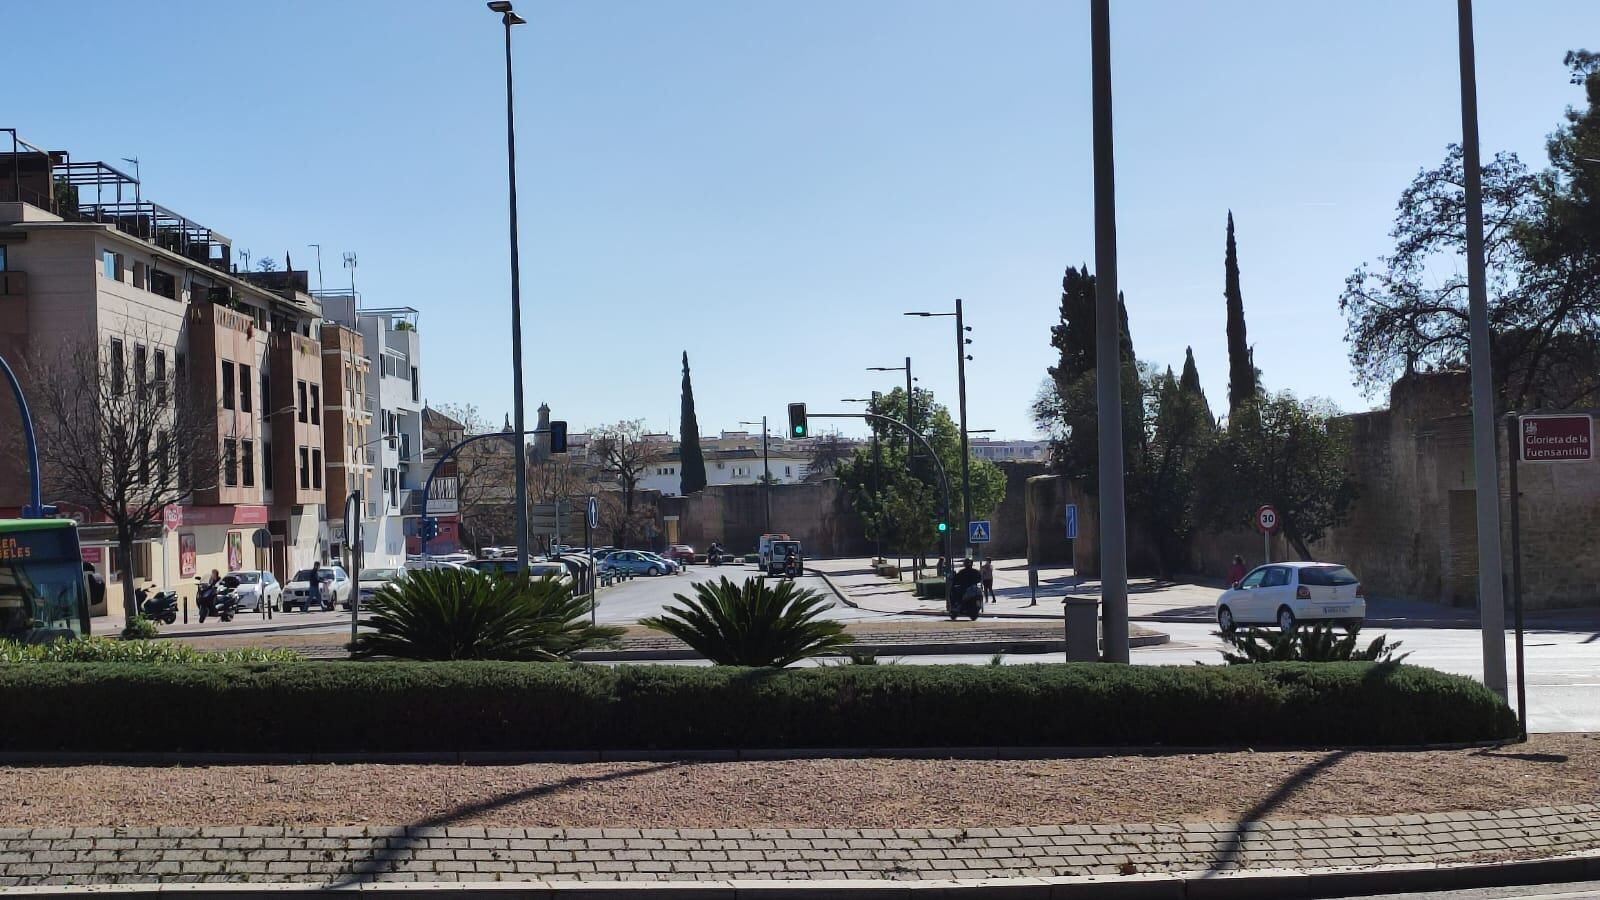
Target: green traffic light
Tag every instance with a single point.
(943, 527)
(799, 429)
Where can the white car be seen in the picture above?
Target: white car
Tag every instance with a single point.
(1288, 593)
(252, 587)
(335, 587)
(373, 579)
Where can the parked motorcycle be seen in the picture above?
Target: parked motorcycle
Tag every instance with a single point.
(227, 601)
(160, 606)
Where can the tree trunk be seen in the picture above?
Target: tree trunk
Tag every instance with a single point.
(125, 550)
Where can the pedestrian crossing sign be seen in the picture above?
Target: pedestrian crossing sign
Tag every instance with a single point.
(978, 532)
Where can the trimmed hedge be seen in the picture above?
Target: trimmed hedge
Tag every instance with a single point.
(931, 588)
(460, 706)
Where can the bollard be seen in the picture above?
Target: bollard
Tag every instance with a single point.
(1082, 617)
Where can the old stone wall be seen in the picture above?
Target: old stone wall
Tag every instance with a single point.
(1009, 523)
(817, 514)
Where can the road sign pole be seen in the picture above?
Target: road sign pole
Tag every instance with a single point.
(1514, 451)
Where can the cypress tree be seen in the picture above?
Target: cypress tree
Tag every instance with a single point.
(1242, 387)
(692, 472)
(1189, 383)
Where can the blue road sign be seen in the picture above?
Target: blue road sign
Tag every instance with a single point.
(978, 532)
(594, 512)
(1072, 521)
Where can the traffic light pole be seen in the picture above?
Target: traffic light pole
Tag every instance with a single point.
(944, 482)
(966, 473)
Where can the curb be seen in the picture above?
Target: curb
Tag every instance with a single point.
(1268, 883)
(1020, 646)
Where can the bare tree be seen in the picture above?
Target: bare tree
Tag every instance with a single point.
(827, 453)
(622, 453)
(118, 440)
(485, 496)
(563, 478)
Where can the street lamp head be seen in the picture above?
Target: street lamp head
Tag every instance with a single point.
(922, 314)
(500, 6)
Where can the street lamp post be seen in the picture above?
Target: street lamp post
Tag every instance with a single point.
(911, 425)
(961, 397)
(877, 475)
(508, 17)
(766, 475)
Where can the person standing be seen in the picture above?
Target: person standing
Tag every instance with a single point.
(313, 592)
(987, 571)
(1236, 571)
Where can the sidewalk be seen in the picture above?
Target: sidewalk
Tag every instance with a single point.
(363, 855)
(1150, 600)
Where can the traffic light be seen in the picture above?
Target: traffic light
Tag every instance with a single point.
(558, 437)
(798, 428)
(428, 528)
(943, 527)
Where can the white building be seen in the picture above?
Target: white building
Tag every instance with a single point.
(393, 442)
(1009, 451)
(723, 467)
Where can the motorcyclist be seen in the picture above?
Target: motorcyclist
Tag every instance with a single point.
(205, 598)
(791, 564)
(714, 554)
(965, 582)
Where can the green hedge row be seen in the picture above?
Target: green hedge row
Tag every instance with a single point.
(408, 706)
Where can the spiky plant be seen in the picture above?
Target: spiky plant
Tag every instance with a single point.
(753, 624)
(1316, 643)
(461, 614)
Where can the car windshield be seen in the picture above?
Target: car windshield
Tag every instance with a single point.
(1327, 576)
(245, 577)
(380, 574)
(305, 574)
(541, 571)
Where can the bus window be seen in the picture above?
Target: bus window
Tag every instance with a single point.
(42, 592)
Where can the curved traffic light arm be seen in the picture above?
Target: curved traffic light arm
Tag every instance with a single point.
(944, 482)
(427, 487)
(35, 508)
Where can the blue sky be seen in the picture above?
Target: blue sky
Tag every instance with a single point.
(769, 186)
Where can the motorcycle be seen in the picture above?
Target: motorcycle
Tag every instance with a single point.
(160, 607)
(714, 556)
(227, 602)
(969, 604)
(791, 568)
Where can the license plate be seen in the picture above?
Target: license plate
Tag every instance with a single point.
(1334, 610)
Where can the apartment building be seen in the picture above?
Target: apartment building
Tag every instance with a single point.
(392, 443)
(346, 418)
(83, 256)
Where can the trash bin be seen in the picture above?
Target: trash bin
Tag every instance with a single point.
(1082, 616)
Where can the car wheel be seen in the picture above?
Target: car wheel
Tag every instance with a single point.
(652, 571)
(1225, 620)
(1286, 618)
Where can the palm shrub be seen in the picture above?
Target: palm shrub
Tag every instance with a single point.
(446, 613)
(753, 624)
(1317, 643)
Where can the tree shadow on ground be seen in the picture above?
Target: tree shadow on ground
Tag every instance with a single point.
(382, 859)
(1497, 753)
(1232, 847)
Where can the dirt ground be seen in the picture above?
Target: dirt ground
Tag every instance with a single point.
(1550, 770)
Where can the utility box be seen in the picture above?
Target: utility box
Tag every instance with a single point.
(1082, 616)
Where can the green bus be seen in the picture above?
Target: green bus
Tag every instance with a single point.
(43, 594)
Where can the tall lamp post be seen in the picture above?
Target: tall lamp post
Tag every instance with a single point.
(766, 474)
(961, 391)
(508, 17)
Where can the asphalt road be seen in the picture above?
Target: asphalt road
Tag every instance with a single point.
(1587, 890)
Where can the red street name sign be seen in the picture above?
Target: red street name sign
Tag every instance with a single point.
(1557, 438)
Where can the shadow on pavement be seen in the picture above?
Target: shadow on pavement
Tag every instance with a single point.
(383, 859)
(1232, 854)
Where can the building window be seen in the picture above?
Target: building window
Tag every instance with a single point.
(227, 385)
(163, 283)
(301, 387)
(119, 377)
(161, 377)
(305, 469)
(139, 358)
(109, 266)
(316, 404)
(244, 388)
(138, 274)
(266, 466)
(788, 471)
(230, 462)
(247, 462)
(266, 395)
(416, 386)
(2, 257)
(316, 468)
(164, 458)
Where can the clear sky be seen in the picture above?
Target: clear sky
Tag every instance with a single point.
(769, 185)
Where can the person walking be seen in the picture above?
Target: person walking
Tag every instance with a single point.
(1236, 571)
(987, 571)
(313, 592)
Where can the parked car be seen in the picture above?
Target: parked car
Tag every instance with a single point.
(1288, 593)
(437, 562)
(681, 553)
(508, 566)
(335, 587)
(673, 566)
(373, 579)
(636, 562)
(253, 587)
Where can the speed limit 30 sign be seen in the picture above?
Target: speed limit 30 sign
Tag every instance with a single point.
(1266, 520)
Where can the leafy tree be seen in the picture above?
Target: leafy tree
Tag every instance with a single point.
(1286, 452)
(905, 507)
(1181, 432)
(444, 614)
(117, 440)
(1243, 384)
(693, 467)
(827, 452)
(1067, 408)
(1190, 382)
(752, 624)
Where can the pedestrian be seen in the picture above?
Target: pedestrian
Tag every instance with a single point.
(988, 580)
(1236, 571)
(313, 592)
(97, 585)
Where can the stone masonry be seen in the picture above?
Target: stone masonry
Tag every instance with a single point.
(434, 853)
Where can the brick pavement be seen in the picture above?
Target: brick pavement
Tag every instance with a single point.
(352, 855)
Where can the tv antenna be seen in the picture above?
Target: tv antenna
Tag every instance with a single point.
(350, 263)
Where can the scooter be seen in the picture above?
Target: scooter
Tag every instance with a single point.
(160, 607)
(227, 602)
(969, 604)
